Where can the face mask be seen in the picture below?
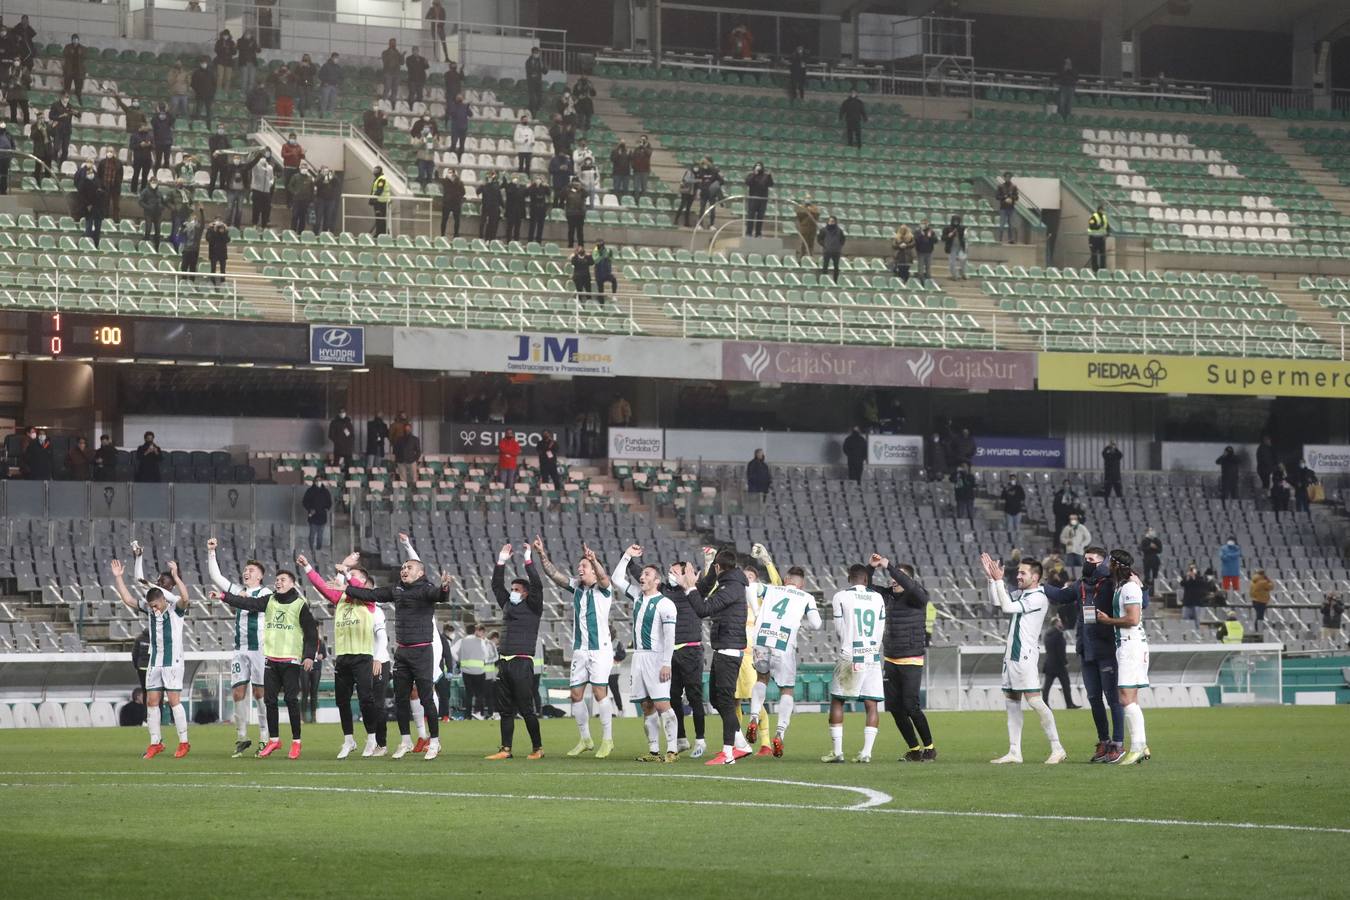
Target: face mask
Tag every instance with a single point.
(1089, 569)
(672, 579)
(515, 597)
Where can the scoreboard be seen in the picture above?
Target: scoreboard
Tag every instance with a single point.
(63, 335)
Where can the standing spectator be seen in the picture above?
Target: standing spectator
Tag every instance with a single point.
(327, 201)
(566, 107)
(758, 478)
(62, 117)
(535, 70)
(583, 93)
(853, 113)
(105, 459)
(317, 502)
(831, 240)
(24, 37)
(17, 96)
(203, 91)
(161, 132)
(79, 460)
(426, 158)
(305, 77)
(7, 148)
(548, 461)
(1260, 589)
(574, 208)
(452, 198)
(1067, 79)
(217, 147)
(934, 458)
(903, 243)
(1228, 463)
(1007, 196)
(226, 51)
(282, 83)
(489, 207)
(808, 218)
(589, 176)
(560, 171)
(309, 686)
(377, 432)
(131, 112)
(454, 81)
(1265, 461)
(300, 189)
(417, 66)
(1230, 565)
(604, 270)
(688, 187)
(73, 68)
(435, 17)
(1066, 502)
(257, 103)
(292, 154)
(37, 456)
(424, 127)
(640, 161)
(1195, 589)
(620, 412)
(147, 458)
(180, 80)
(523, 138)
(373, 123)
(1056, 664)
(855, 453)
(742, 42)
(391, 62)
(40, 136)
(620, 169)
(342, 433)
(457, 116)
(1332, 611)
(330, 79)
(963, 448)
(1303, 481)
(757, 185)
(1111, 457)
(93, 200)
(261, 185)
(380, 195)
(537, 201)
(797, 74)
(1280, 492)
(110, 178)
(1098, 227)
(710, 191)
(1014, 500)
(1075, 539)
(508, 458)
(581, 271)
(218, 248)
(152, 210)
(1151, 548)
(514, 205)
(407, 450)
(964, 479)
(954, 243)
(247, 61)
(190, 239)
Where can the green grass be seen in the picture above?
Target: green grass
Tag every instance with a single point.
(85, 816)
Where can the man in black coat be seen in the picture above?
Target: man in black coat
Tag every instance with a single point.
(1265, 461)
(853, 113)
(377, 432)
(1111, 457)
(1228, 464)
(903, 651)
(548, 461)
(1056, 664)
(1014, 500)
(855, 451)
(342, 432)
(757, 475)
(720, 596)
(522, 608)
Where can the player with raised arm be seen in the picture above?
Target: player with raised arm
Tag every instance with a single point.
(419, 713)
(859, 619)
(165, 673)
(686, 664)
(903, 650)
(592, 649)
(290, 640)
(248, 667)
(414, 598)
(1021, 674)
(653, 647)
(1127, 617)
(777, 625)
(522, 609)
(747, 678)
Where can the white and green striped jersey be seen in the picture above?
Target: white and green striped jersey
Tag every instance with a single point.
(166, 633)
(248, 625)
(654, 624)
(859, 619)
(1024, 631)
(781, 610)
(1128, 594)
(590, 617)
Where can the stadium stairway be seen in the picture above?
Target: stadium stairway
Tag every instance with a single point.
(1311, 313)
(970, 297)
(1276, 135)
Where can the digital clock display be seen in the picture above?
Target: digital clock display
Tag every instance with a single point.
(61, 335)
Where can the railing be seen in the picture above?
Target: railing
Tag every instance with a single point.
(332, 128)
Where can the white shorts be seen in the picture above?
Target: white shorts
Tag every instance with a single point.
(1132, 664)
(863, 683)
(247, 668)
(645, 678)
(780, 664)
(591, 666)
(1022, 675)
(164, 678)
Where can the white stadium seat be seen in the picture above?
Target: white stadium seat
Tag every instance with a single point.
(77, 714)
(50, 715)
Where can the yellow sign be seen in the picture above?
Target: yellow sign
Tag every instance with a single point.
(1143, 373)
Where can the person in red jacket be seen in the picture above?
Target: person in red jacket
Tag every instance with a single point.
(508, 456)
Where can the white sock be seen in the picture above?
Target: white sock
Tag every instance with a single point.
(757, 695)
(583, 720)
(785, 702)
(727, 752)
(741, 743)
(837, 739)
(606, 719)
(869, 738)
(263, 736)
(420, 718)
(180, 722)
(1047, 721)
(1134, 721)
(1014, 726)
(241, 718)
(152, 722)
(669, 725)
(653, 732)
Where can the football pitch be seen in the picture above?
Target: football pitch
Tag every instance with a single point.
(1235, 801)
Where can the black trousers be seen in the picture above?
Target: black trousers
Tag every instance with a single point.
(443, 696)
(825, 260)
(379, 691)
(725, 670)
(754, 215)
(1151, 566)
(1062, 676)
(279, 677)
(448, 213)
(576, 229)
(354, 671)
(515, 697)
(614, 693)
(686, 681)
(311, 694)
(513, 226)
(853, 133)
(413, 665)
(901, 690)
(1099, 680)
(487, 225)
(536, 230)
(686, 208)
(262, 209)
(475, 693)
(1097, 250)
(1111, 485)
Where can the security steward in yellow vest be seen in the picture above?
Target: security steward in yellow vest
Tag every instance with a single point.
(290, 639)
(1098, 228)
(380, 195)
(1231, 631)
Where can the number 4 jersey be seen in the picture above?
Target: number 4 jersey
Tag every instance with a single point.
(780, 617)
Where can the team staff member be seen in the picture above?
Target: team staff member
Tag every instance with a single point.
(724, 587)
(290, 641)
(522, 608)
(902, 650)
(686, 664)
(414, 599)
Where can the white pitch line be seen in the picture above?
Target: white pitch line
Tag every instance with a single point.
(866, 807)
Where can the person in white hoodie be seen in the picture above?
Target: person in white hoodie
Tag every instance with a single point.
(1075, 537)
(589, 176)
(524, 139)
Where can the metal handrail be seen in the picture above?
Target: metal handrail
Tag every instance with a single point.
(344, 130)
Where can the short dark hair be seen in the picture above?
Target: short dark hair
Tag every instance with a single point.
(366, 580)
(254, 562)
(288, 573)
(1033, 564)
(1100, 551)
(860, 573)
(152, 593)
(725, 558)
(796, 572)
(493, 635)
(655, 568)
(907, 569)
(1122, 558)
(524, 585)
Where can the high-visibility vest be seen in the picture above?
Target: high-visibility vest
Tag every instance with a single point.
(283, 637)
(1233, 631)
(929, 617)
(353, 629)
(1097, 224)
(472, 655)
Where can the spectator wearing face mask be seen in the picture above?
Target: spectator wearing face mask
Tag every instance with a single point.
(73, 68)
(457, 116)
(247, 61)
(79, 460)
(330, 79)
(925, 241)
(524, 143)
(300, 189)
(757, 185)
(604, 270)
(62, 117)
(831, 240)
(327, 200)
(110, 177)
(373, 122)
(954, 243)
(426, 157)
(226, 51)
(583, 96)
(179, 80)
(306, 76)
(37, 456)
(235, 180)
(537, 199)
(391, 63)
(282, 83)
(92, 200)
(417, 66)
(452, 199)
(292, 154)
(161, 132)
(261, 185)
(489, 207)
(218, 145)
(203, 92)
(217, 248)
(515, 207)
(152, 210)
(40, 137)
(642, 165)
(620, 168)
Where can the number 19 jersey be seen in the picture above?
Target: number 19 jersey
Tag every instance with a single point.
(859, 619)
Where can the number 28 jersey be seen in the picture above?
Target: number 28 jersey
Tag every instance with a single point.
(859, 620)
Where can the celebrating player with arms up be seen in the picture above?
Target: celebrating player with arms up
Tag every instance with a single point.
(781, 610)
(592, 650)
(653, 647)
(165, 674)
(522, 608)
(1021, 678)
(1127, 617)
(859, 619)
(248, 668)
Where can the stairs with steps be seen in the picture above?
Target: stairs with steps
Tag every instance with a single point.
(1276, 135)
(262, 295)
(1310, 313)
(665, 165)
(985, 309)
